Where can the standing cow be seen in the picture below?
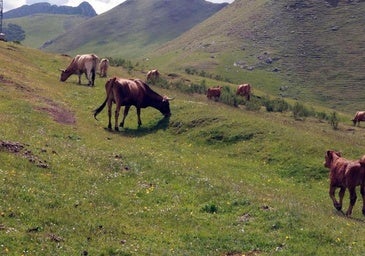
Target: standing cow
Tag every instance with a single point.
(104, 65)
(359, 116)
(214, 92)
(153, 75)
(131, 92)
(244, 90)
(86, 63)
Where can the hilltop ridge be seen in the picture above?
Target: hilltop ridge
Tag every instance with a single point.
(83, 9)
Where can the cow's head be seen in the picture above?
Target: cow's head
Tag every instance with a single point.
(64, 75)
(165, 106)
(329, 157)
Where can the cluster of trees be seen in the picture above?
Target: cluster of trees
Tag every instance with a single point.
(14, 32)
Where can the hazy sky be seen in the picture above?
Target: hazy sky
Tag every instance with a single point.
(100, 6)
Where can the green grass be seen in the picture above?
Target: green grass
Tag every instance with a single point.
(213, 180)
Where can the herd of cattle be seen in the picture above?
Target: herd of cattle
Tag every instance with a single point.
(344, 174)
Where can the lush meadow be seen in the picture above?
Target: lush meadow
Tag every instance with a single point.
(213, 179)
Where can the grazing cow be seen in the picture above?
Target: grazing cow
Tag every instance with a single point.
(86, 63)
(214, 92)
(345, 174)
(359, 116)
(104, 65)
(153, 75)
(244, 90)
(128, 92)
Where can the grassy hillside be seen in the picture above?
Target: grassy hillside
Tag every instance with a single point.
(41, 28)
(307, 50)
(211, 180)
(134, 27)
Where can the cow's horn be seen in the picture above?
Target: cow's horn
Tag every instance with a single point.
(61, 70)
(168, 99)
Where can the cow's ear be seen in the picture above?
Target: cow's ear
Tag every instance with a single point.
(329, 154)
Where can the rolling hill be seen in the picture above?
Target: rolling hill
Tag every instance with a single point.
(134, 27)
(42, 22)
(315, 49)
(40, 29)
(211, 180)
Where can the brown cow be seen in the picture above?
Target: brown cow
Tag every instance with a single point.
(104, 65)
(345, 174)
(86, 63)
(214, 92)
(359, 116)
(244, 90)
(128, 92)
(153, 75)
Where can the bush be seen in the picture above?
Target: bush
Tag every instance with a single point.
(300, 111)
(334, 121)
(277, 105)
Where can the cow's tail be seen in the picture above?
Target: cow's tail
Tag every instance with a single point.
(99, 109)
(108, 88)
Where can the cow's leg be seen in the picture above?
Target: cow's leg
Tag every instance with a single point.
(362, 191)
(117, 110)
(139, 117)
(341, 194)
(93, 77)
(126, 110)
(110, 103)
(336, 204)
(352, 200)
(80, 78)
(87, 75)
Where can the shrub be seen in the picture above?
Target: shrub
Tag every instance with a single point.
(276, 105)
(210, 208)
(300, 111)
(334, 121)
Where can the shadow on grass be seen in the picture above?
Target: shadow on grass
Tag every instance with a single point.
(162, 124)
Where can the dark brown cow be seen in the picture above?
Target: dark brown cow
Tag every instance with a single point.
(359, 116)
(214, 92)
(103, 66)
(128, 92)
(153, 75)
(345, 174)
(86, 63)
(244, 90)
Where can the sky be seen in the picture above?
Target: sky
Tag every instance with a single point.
(100, 6)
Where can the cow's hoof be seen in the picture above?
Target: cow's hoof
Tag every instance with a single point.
(338, 207)
(116, 129)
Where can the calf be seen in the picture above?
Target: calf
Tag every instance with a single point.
(359, 116)
(345, 174)
(103, 66)
(244, 90)
(214, 92)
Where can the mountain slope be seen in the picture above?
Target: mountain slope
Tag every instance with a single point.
(42, 28)
(134, 27)
(83, 9)
(315, 48)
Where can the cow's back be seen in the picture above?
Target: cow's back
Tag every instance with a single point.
(129, 92)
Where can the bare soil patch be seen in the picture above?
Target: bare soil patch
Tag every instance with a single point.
(21, 150)
(59, 113)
